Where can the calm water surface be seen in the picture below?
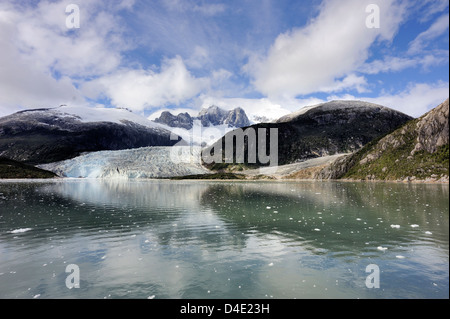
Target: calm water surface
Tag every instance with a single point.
(170, 239)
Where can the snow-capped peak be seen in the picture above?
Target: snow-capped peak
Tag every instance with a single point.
(97, 114)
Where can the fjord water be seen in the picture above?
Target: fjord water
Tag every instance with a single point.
(202, 239)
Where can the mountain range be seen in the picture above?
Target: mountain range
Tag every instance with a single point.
(53, 134)
(335, 127)
(212, 116)
(333, 140)
(419, 150)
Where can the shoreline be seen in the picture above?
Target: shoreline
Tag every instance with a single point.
(277, 180)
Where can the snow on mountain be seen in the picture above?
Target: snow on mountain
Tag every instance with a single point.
(146, 162)
(91, 114)
(341, 106)
(199, 135)
(210, 125)
(48, 135)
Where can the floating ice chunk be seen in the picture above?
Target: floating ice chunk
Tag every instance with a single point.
(36, 296)
(20, 230)
(151, 297)
(428, 233)
(358, 219)
(414, 225)
(382, 248)
(271, 264)
(395, 226)
(268, 207)
(316, 229)
(400, 257)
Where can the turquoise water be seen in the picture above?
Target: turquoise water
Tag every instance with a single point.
(200, 239)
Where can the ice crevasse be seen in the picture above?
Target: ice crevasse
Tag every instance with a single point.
(146, 162)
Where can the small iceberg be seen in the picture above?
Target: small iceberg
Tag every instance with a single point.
(382, 248)
(395, 226)
(20, 230)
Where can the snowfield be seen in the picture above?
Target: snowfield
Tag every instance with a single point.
(146, 162)
(92, 114)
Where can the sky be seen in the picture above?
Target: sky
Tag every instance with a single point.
(270, 57)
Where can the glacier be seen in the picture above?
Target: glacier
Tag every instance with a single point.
(145, 162)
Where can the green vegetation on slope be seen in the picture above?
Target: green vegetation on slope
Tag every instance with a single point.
(391, 158)
(13, 169)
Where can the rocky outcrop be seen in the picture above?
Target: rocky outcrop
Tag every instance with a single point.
(182, 120)
(212, 116)
(419, 150)
(432, 129)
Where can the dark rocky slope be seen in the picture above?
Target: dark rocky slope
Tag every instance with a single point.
(331, 128)
(50, 135)
(13, 169)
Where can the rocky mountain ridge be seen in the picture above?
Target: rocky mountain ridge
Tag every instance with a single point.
(212, 116)
(419, 150)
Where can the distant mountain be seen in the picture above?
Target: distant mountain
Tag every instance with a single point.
(182, 120)
(54, 134)
(419, 150)
(330, 128)
(212, 116)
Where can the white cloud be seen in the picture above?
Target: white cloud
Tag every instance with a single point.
(415, 100)
(199, 58)
(396, 64)
(388, 64)
(24, 83)
(438, 28)
(331, 47)
(208, 9)
(41, 60)
(428, 8)
(141, 89)
(43, 37)
(351, 81)
(270, 109)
